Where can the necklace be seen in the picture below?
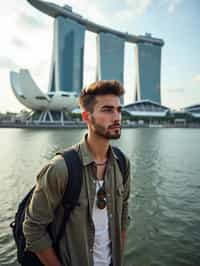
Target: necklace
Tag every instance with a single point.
(100, 164)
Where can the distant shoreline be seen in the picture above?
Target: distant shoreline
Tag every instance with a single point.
(44, 125)
(81, 125)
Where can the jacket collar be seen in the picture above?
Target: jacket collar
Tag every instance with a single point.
(87, 157)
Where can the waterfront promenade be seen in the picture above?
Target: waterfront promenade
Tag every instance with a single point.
(82, 125)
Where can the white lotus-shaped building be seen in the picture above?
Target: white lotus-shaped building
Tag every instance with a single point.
(28, 93)
(31, 96)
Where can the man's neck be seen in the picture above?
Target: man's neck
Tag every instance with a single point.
(98, 147)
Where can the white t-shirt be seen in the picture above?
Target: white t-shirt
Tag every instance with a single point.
(102, 242)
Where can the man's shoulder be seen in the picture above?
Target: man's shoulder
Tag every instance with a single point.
(58, 158)
(53, 173)
(58, 162)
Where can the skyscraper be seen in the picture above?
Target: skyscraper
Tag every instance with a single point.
(148, 65)
(110, 57)
(67, 60)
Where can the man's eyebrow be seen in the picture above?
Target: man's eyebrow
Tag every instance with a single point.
(111, 107)
(107, 106)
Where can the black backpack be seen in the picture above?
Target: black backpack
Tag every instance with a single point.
(70, 201)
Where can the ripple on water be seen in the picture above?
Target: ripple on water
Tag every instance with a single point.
(7, 250)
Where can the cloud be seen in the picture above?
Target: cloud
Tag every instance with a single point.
(6, 62)
(30, 22)
(138, 7)
(131, 9)
(196, 78)
(19, 43)
(172, 5)
(174, 90)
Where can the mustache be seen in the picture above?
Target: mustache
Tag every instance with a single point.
(115, 125)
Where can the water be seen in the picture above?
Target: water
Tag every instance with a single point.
(164, 203)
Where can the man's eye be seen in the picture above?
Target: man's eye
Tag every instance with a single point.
(107, 110)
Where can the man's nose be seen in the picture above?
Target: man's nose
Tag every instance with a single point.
(117, 116)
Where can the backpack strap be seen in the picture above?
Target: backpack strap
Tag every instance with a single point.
(121, 162)
(75, 169)
(73, 188)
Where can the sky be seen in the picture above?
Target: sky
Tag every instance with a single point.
(27, 38)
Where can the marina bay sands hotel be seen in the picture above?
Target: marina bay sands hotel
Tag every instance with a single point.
(68, 52)
(66, 75)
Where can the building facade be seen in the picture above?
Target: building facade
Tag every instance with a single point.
(110, 57)
(67, 59)
(148, 68)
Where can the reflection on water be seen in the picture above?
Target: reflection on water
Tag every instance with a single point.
(164, 203)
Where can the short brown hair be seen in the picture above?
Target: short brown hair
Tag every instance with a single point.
(101, 87)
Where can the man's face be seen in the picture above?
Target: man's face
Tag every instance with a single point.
(105, 121)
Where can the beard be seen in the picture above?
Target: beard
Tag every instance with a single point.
(107, 133)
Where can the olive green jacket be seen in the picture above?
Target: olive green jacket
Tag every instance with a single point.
(76, 245)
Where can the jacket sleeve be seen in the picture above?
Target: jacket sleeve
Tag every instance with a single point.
(48, 194)
(125, 217)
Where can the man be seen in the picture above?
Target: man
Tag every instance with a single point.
(96, 231)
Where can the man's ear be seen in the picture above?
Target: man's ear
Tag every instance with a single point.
(85, 116)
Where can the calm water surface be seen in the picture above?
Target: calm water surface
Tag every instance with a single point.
(165, 196)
